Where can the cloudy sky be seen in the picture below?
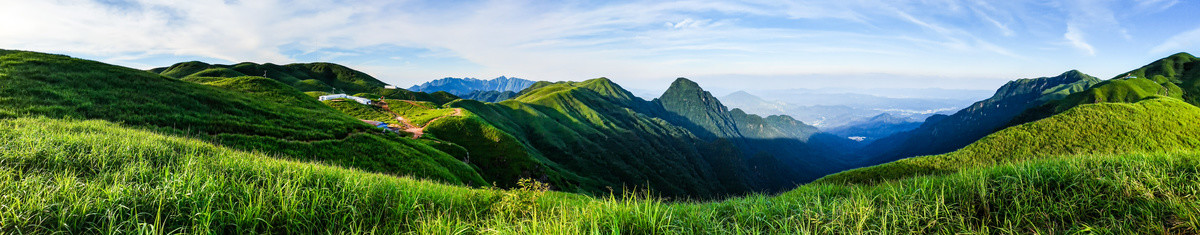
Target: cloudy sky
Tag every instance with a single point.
(972, 44)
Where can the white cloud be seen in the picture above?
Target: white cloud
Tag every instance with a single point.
(1075, 38)
(560, 41)
(1155, 5)
(1189, 40)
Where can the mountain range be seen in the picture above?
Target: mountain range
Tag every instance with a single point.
(201, 148)
(834, 109)
(465, 86)
(941, 133)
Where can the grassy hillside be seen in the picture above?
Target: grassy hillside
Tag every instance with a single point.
(588, 139)
(101, 177)
(943, 134)
(1150, 126)
(1173, 76)
(775, 139)
(490, 96)
(499, 157)
(306, 77)
(248, 113)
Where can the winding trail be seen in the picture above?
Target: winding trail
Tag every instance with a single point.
(409, 127)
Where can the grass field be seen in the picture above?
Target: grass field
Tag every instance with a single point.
(98, 177)
(1107, 128)
(246, 113)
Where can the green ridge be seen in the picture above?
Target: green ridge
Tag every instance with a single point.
(1173, 76)
(306, 77)
(249, 113)
(943, 134)
(1106, 128)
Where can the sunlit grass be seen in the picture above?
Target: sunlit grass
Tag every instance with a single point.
(97, 177)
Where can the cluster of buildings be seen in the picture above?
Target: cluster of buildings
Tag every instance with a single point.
(345, 96)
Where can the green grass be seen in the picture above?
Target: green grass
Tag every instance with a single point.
(1153, 125)
(306, 77)
(420, 113)
(92, 148)
(591, 140)
(1174, 76)
(247, 113)
(99, 177)
(362, 111)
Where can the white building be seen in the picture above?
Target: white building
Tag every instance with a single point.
(340, 96)
(390, 87)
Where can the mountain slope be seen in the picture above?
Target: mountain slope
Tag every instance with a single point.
(1105, 128)
(490, 96)
(781, 139)
(588, 140)
(1174, 76)
(944, 134)
(306, 77)
(464, 86)
(690, 103)
(248, 113)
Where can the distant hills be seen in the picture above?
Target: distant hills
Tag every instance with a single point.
(830, 109)
(874, 128)
(465, 86)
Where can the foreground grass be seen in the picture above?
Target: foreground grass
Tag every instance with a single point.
(98, 177)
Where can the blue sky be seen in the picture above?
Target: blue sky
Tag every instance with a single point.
(972, 44)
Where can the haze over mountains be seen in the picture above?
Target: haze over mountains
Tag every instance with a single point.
(833, 108)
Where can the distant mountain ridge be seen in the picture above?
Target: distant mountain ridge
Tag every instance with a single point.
(835, 110)
(464, 86)
(801, 146)
(877, 127)
(942, 134)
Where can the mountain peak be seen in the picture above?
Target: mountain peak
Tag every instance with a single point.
(1071, 73)
(1182, 55)
(684, 83)
(608, 88)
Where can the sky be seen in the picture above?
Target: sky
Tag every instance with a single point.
(971, 44)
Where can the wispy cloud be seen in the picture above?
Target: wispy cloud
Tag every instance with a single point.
(1183, 41)
(1076, 38)
(1155, 5)
(577, 40)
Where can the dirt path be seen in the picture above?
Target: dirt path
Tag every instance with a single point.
(409, 127)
